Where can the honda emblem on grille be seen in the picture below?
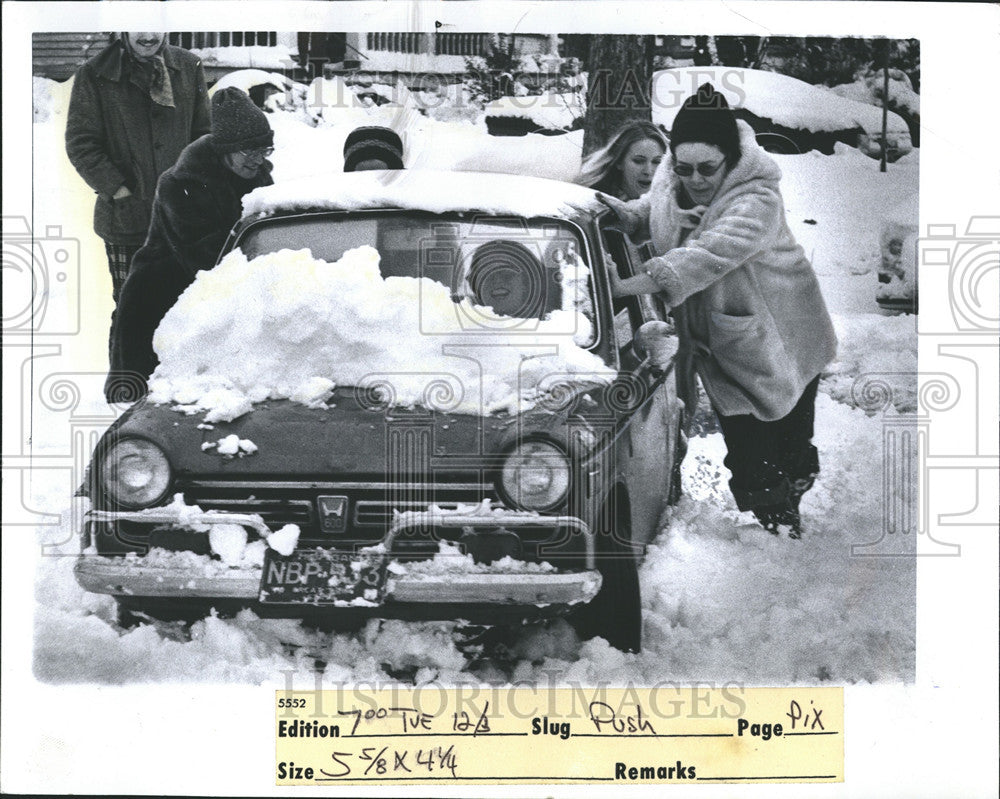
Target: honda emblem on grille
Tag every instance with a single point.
(332, 514)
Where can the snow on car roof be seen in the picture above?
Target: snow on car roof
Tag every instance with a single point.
(424, 190)
(785, 100)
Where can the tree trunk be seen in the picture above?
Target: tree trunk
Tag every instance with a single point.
(620, 70)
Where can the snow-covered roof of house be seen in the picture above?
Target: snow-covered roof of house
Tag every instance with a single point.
(424, 190)
(784, 100)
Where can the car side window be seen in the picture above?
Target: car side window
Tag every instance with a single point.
(627, 310)
(651, 304)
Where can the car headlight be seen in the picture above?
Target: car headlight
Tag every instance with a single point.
(535, 476)
(135, 473)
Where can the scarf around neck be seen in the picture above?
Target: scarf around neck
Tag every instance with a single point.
(152, 75)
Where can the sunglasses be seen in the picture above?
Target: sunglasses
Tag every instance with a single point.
(705, 169)
(262, 152)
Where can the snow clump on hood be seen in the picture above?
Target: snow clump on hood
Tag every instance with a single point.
(286, 325)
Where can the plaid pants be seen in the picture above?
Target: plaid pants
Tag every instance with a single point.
(119, 261)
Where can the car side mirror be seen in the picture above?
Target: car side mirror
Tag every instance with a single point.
(656, 345)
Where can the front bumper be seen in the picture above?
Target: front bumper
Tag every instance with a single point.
(134, 577)
(122, 577)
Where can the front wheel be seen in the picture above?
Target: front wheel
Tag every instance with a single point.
(615, 613)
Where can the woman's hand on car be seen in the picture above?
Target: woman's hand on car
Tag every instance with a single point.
(621, 209)
(613, 277)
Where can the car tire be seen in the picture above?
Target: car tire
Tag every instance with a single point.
(615, 613)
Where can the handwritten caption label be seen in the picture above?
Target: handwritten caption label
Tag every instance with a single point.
(668, 734)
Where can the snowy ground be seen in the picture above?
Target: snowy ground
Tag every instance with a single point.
(723, 600)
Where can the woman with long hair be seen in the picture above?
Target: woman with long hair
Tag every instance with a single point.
(750, 317)
(624, 167)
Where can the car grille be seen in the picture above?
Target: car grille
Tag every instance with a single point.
(369, 506)
(274, 512)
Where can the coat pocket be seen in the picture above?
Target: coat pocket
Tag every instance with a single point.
(130, 215)
(740, 346)
(732, 324)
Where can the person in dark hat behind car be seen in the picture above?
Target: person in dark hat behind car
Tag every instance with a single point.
(372, 147)
(134, 107)
(198, 201)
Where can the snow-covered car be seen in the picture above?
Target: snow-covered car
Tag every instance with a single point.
(788, 115)
(897, 274)
(398, 394)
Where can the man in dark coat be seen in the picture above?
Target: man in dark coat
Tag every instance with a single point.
(198, 201)
(133, 108)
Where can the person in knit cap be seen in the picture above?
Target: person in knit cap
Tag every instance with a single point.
(198, 200)
(750, 317)
(133, 108)
(372, 147)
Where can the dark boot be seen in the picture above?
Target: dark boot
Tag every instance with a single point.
(797, 488)
(774, 517)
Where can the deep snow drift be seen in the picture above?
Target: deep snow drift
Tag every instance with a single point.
(722, 599)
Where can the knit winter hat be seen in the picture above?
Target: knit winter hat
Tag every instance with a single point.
(706, 117)
(373, 142)
(238, 124)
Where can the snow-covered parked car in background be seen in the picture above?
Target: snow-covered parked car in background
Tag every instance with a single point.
(398, 394)
(897, 274)
(788, 115)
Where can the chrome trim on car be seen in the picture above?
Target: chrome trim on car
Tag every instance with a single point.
(160, 516)
(338, 486)
(118, 576)
(121, 577)
(518, 588)
(509, 520)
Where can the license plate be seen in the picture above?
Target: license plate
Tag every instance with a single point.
(321, 577)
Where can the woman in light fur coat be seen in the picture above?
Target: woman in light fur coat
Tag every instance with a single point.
(750, 316)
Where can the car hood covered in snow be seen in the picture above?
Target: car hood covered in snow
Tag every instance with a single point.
(349, 436)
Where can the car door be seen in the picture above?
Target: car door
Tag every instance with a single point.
(648, 439)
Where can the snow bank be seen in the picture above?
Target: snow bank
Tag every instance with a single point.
(42, 101)
(423, 190)
(276, 57)
(869, 90)
(276, 326)
(786, 101)
(450, 135)
(741, 604)
(839, 227)
(876, 364)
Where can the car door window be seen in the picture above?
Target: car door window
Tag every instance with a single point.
(627, 310)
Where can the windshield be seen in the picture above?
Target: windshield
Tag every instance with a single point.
(521, 269)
